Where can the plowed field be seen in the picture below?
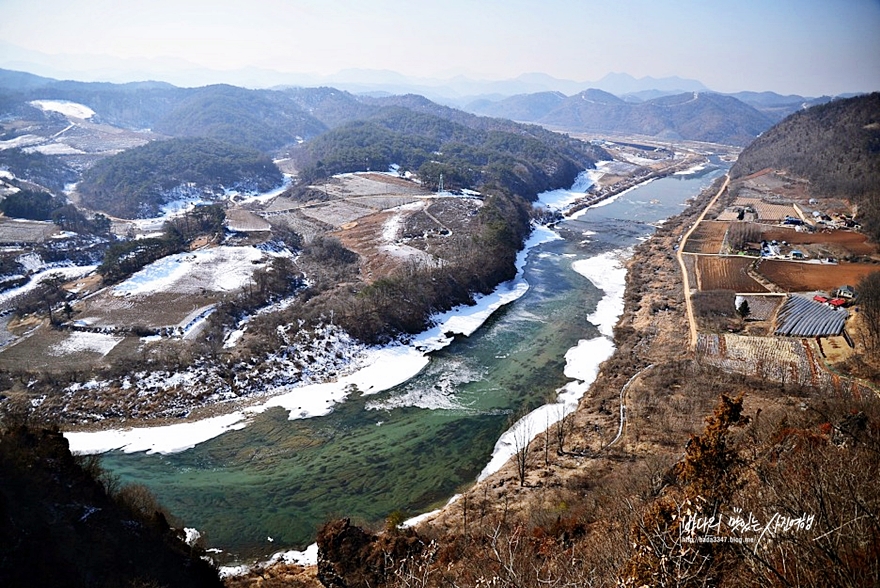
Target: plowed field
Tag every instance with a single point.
(726, 273)
(855, 243)
(707, 237)
(807, 277)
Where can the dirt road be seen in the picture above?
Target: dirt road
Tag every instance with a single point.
(692, 323)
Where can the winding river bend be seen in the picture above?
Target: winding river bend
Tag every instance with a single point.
(270, 485)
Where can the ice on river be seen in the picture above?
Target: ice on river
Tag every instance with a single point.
(608, 273)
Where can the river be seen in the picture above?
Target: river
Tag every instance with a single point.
(268, 486)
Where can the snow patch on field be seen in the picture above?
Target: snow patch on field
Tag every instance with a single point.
(65, 107)
(219, 269)
(21, 142)
(391, 232)
(55, 149)
(68, 273)
(82, 341)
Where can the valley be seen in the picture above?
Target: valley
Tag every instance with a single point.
(356, 306)
(161, 344)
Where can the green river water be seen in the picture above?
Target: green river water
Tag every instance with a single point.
(282, 479)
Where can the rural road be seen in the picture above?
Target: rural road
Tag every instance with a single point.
(623, 404)
(692, 323)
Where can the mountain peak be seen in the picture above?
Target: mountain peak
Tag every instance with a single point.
(624, 83)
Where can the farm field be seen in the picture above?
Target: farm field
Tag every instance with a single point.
(344, 200)
(336, 212)
(767, 212)
(763, 307)
(707, 237)
(726, 273)
(159, 310)
(60, 351)
(780, 359)
(293, 219)
(809, 277)
(845, 241)
(369, 184)
(26, 231)
(420, 231)
(172, 296)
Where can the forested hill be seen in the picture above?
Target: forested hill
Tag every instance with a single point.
(325, 130)
(137, 182)
(836, 146)
(67, 523)
(469, 151)
(366, 132)
(263, 120)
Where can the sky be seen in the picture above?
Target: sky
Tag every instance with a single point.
(807, 47)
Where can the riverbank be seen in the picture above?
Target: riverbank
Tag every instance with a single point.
(376, 369)
(410, 448)
(649, 326)
(367, 370)
(567, 437)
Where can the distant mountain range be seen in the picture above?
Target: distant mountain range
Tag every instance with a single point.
(668, 108)
(452, 91)
(696, 115)
(322, 130)
(455, 90)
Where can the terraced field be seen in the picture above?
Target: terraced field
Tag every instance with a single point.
(25, 231)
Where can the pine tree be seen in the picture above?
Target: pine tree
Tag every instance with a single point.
(743, 309)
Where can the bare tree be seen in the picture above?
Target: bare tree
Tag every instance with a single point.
(522, 437)
(740, 234)
(869, 307)
(562, 427)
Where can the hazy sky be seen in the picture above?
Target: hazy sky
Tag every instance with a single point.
(809, 47)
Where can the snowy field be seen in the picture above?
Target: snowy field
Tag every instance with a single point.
(216, 269)
(81, 341)
(65, 107)
(68, 273)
